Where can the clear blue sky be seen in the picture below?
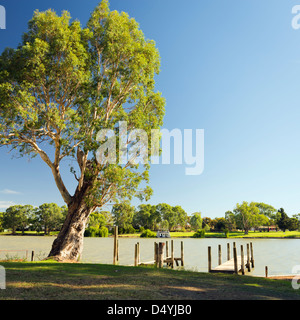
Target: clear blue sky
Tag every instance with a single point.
(229, 67)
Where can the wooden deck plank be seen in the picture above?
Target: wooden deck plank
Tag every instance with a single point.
(228, 266)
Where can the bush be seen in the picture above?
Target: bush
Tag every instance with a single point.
(102, 232)
(148, 234)
(199, 234)
(96, 232)
(130, 229)
(226, 233)
(90, 232)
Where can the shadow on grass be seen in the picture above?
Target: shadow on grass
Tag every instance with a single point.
(59, 281)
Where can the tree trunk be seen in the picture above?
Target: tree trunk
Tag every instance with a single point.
(68, 245)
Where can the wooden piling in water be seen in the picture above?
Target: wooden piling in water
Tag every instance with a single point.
(156, 253)
(138, 254)
(161, 254)
(115, 258)
(228, 251)
(182, 254)
(167, 249)
(135, 255)
(235, 260)
(219, 254)
(32, 255)
(172, 253)
(209, 259)
(252, 256)
(248, 258)
(242, 260)
(266, 271)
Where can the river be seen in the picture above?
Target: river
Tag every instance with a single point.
(280, 255)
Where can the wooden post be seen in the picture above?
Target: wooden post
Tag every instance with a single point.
(242, 260)
(118, 250)
(172, 253)
(252, 256)
(156, 253)
(235, 260)
(115, 245)
(248, 258)
(182, 254)
(228, 251)
(209, 259)
(266, 270)
(135, 255)
(167, 249)
(220, 254)
(161, 254)
(138, 254)
(32, 255)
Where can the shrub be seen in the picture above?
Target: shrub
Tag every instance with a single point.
(130, 229)
(148, 234)
(199, 234)
(96, 232)
(226, 233)
(90, 232)
(102, 232)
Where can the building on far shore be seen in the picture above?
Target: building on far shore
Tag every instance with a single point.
(163, 234)
(267, 228)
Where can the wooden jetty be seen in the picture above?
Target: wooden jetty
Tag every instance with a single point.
(239, 263)
(160, 259)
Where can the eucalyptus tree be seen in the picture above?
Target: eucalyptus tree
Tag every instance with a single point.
(196, 221)
(61, 86)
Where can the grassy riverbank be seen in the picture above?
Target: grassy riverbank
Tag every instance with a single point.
(61, 281)
(236, 234)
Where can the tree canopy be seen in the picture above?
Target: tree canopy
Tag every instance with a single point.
(61, 86)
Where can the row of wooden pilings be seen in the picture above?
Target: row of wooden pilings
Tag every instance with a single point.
(159, 257)
(170, 260)
(248, 264)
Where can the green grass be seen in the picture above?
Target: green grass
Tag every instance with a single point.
(29, 233)
(59, 281)
(189, 234)
(255, 234)
(236, 234)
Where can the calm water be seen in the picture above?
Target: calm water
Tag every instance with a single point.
(280, 255)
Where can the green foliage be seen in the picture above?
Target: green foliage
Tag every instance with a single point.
(226, 233)
(196, 221)
(123, 215)
(17, 217)
(49, 216)
(96, 232)
(245, 215)
(199, 234)
(148, 234)
(147, 216)
(286, 223)
(175, 216)
(98, 219)
(64, 83)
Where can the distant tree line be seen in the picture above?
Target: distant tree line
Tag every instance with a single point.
(245, 216)
(254, 216)
(45, 218)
